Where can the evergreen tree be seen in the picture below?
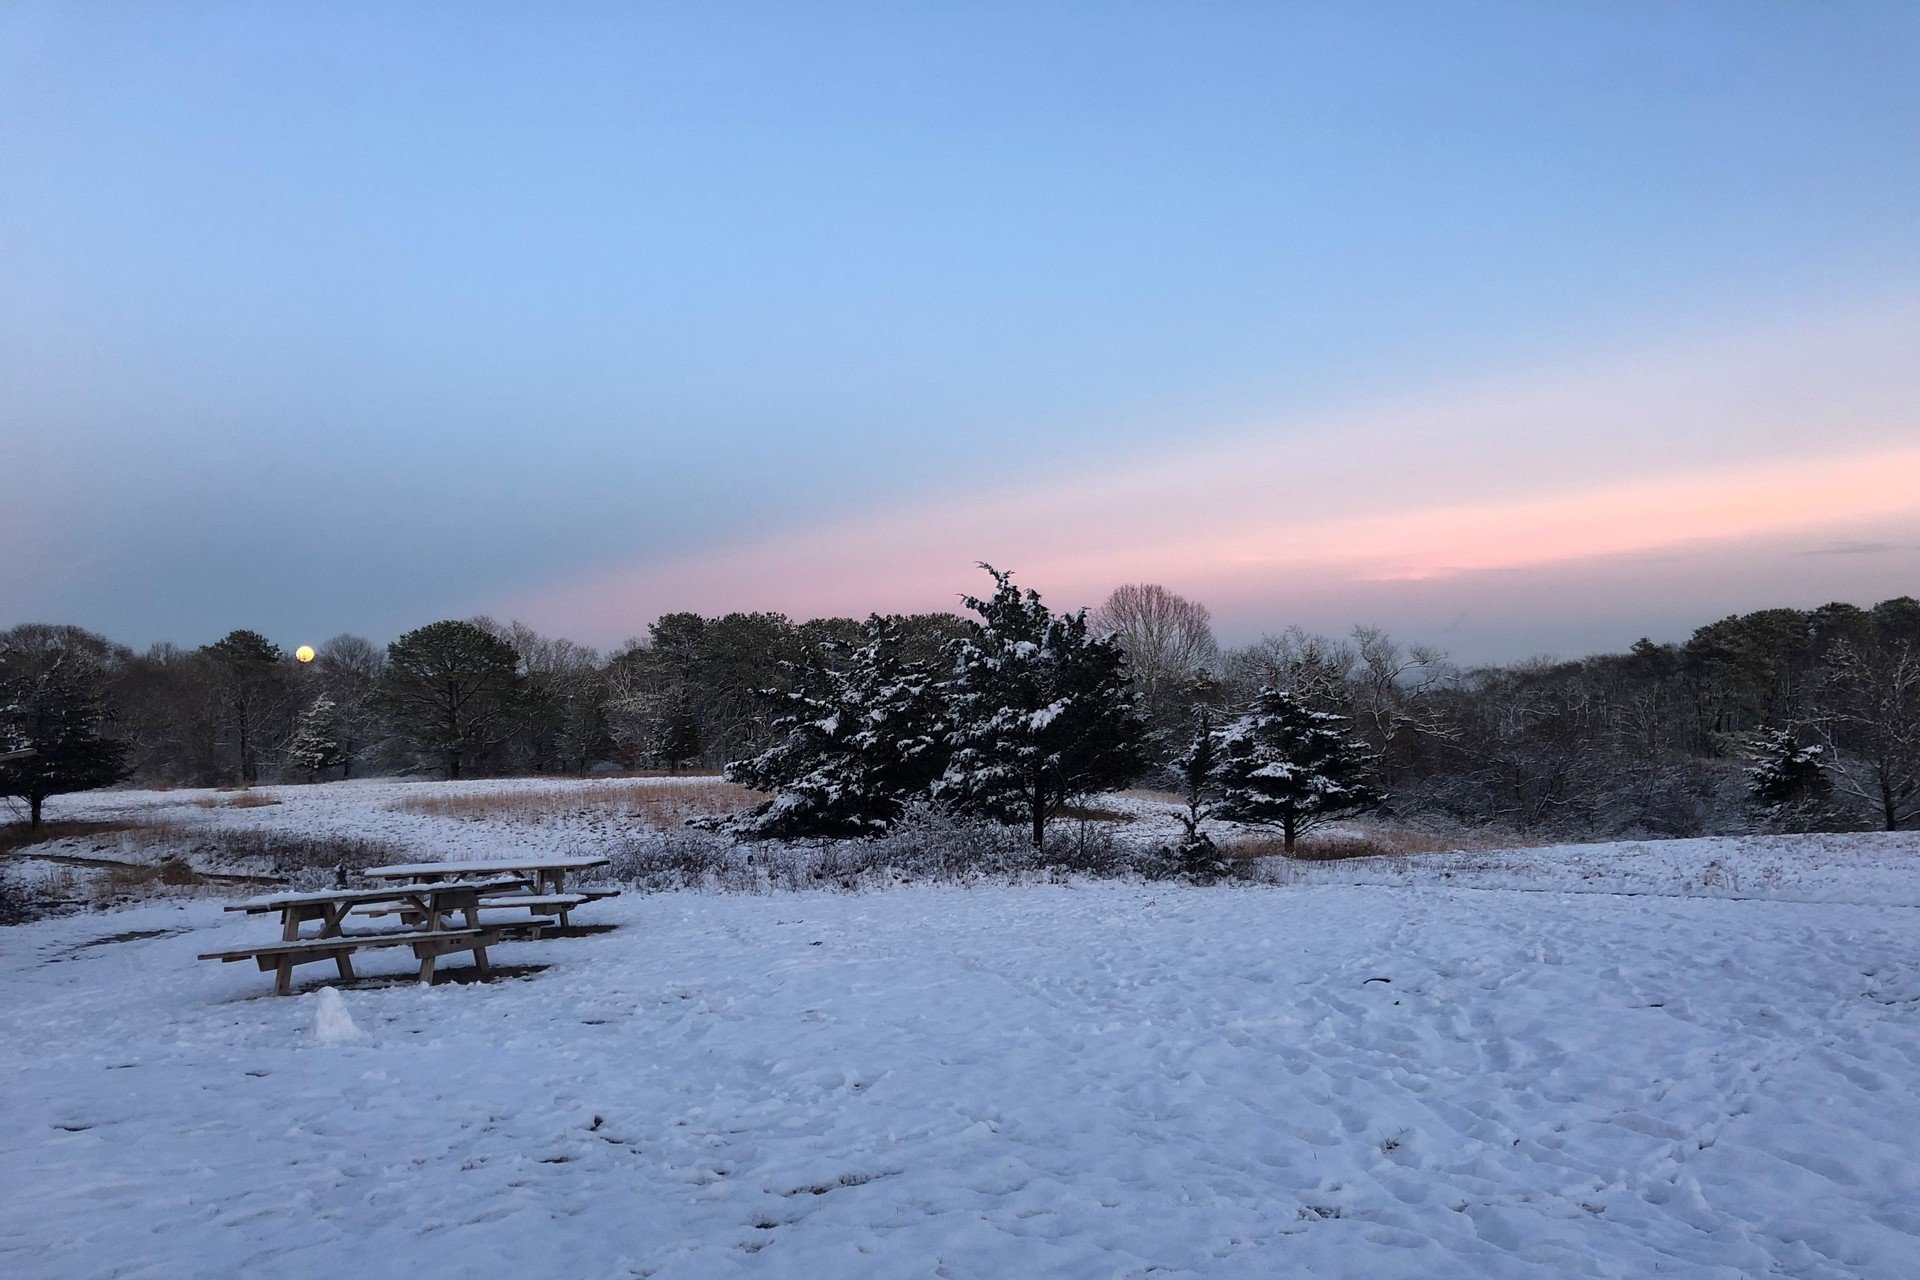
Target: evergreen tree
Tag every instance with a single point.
(252, 695)
(449, 690)
(319, 741)
(860, 740)
(1198, 770)
(678, 740)
(1040, 711)
(54, 724)
(1284, 765)
(1787, 783)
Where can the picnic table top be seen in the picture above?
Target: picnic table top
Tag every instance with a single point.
(280, 901)
(409, 870)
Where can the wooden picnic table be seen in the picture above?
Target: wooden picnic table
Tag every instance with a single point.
(433, 891)
(547, 876)
(423, 907)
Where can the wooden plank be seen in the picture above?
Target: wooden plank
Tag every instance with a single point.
(282, 901)
(544, 903)
(325, 947)
(412, 870)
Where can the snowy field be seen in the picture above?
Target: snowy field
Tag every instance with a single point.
(1691, 1059)
(563, 817)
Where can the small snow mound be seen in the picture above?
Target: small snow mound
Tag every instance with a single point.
(332, 1024)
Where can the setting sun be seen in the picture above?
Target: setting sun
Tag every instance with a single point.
(303, 654)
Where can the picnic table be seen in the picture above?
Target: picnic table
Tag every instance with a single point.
(423, 907)
(431, 893)
(547, 878)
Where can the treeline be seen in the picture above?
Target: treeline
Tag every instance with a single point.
(468, 698)
(1783, 718)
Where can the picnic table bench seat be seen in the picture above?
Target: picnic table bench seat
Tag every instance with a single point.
(323, 948)
(279, 958)
(543, 904)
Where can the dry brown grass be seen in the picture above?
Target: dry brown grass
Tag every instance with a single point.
(1306, 850)
(236, 800)
(1370, 842)
(85, 864)
(99, 888)
(660, 805)
(147, 846)
(690, 775)
(15, 836)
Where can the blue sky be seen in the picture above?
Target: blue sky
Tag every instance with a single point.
(338, 317)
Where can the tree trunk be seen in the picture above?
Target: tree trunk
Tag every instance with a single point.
(1288, 829)
(1039, 813)
(453, 766)
(33, 812)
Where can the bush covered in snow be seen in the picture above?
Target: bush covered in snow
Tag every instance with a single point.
(927, 845)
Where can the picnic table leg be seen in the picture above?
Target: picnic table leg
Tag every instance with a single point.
(480, 948)
(342, 960)
(558, 885)
(427, 956)
(289, 932)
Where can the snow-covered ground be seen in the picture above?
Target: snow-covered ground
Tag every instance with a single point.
(566, 817)
(377, 809)
(1480, 1065)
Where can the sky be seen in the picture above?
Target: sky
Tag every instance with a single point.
(1514, 328)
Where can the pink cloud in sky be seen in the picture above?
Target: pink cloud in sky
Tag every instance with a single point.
(1763, 448)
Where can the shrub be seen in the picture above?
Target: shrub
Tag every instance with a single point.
(928, 846)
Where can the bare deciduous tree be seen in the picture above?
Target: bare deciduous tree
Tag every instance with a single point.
(1312, 668)
(1872, 723)
(1392, 695)
(349, 667)
(1170, 647)
(563, 713)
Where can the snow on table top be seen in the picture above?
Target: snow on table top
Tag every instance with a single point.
(402, 870)
(273, 902)
(1071, 1081)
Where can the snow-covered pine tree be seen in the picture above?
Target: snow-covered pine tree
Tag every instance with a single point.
(53, 715)
(860, 740)
(1787, 783)
(319, 739)
(1198, 770)
(1040, 710)
(1286, 766)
